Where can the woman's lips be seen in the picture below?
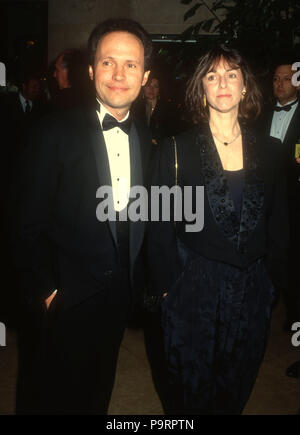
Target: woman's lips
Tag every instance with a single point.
(223, 95)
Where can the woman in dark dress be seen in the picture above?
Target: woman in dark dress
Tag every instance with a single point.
(218, 283)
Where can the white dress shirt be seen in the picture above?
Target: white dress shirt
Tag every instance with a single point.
(117, 146)
(281, 121)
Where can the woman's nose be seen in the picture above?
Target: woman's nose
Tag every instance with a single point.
(223, 82)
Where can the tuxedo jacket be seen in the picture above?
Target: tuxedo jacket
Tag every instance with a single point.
(60, 243)
(262, 231)
(292, 137)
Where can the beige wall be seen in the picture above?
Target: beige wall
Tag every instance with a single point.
(71, 21)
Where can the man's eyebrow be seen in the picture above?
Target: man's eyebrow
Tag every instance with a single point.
(285, 76)
(113, 58)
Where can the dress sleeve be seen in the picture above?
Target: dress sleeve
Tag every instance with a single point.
(162, 255)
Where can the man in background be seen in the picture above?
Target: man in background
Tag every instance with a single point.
(284, 124)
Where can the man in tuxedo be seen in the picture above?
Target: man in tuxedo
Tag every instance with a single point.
(284, 124)
(81, 277)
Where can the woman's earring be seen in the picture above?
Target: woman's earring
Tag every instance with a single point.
(204, 100)
(243, 95)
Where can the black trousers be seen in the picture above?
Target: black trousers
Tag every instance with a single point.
(154, 344)
(68, 358)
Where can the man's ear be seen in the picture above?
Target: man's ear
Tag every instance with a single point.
(145, 78)
(91, 72)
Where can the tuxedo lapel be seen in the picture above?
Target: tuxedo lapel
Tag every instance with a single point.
(269, 119)
(293, 128)
(97, 143)
(136, 228)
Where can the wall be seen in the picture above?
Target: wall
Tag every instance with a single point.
(71, 21)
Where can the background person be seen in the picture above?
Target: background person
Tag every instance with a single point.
(73, 86)
(154, 109)
(282, 122)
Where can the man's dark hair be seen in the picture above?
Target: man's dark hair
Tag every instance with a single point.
(283, 60)
(250, 106)
(120, 25)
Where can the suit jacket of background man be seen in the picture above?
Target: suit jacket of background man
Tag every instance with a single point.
(61, 244)
(288, 153)
(19, 122)
(262, 232)
(15, 125)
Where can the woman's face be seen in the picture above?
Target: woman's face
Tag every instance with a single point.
(151, 90)
(223, 86)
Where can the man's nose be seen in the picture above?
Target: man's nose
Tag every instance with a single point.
(118, 72)
(280, 83)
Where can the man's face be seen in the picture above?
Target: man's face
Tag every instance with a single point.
(31, 90)
(151, 90)
(61, 74)
(118, 71)
(283, 88)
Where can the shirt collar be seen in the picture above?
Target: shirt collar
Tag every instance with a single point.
(102, 112)
(290, 102)
(23, 101)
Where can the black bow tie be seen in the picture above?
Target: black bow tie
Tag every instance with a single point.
(111, 122)
(286, 108)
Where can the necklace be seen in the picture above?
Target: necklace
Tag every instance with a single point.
(227, 143)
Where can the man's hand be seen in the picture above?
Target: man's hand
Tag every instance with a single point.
(50, 299)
